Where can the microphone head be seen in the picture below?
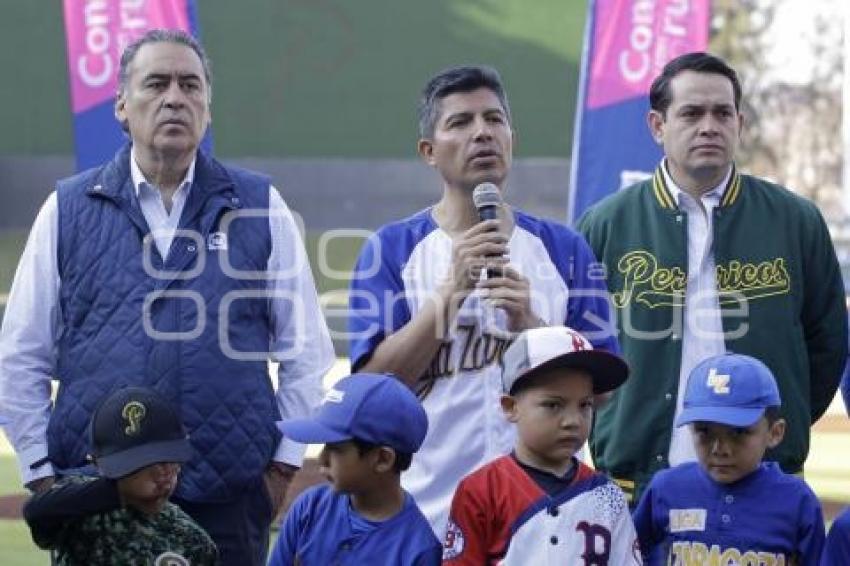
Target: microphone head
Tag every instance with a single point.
(486, 194)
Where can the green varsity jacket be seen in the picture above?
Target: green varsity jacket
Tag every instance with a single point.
(781, 298)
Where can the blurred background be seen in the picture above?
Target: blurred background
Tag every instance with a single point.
(321, 95)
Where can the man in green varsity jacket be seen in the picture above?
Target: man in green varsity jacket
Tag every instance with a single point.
(700, 260)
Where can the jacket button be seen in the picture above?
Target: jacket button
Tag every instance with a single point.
(191, 248)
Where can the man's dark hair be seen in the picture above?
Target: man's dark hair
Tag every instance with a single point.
(659, 93)
(402, 459)
(450, 81)
(162, 36)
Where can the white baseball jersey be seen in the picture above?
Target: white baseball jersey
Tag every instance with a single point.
(500, 515)
(399, 268)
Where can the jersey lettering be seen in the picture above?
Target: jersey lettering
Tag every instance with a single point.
(477, 351)
(482, 350)
(648, 282)
(687, 520)
(597, 544)
(441, 363)
(468, 331)
(698, 554)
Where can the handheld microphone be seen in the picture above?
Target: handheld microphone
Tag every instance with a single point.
(487, 199)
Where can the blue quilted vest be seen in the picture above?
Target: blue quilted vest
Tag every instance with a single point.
(184, 325)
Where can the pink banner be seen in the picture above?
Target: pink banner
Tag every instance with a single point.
(97, 32)
(634, 39)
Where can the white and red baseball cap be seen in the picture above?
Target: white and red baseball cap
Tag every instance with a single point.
(540, 349)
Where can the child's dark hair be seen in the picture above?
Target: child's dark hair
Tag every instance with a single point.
(772, 414)
(402, 459)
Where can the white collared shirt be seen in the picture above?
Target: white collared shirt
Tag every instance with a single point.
(163, 223)
(32, 323)
(702, 332)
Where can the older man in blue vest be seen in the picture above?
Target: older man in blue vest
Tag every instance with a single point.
(167, 269)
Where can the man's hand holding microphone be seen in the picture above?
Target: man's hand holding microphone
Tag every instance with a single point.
(484, 248)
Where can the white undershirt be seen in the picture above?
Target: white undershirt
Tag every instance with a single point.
(162, 222)
(702, 332)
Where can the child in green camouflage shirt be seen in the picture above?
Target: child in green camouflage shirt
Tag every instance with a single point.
(124, 517)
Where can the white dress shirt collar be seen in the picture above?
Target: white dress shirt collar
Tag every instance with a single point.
(139, 178)
(713, 196)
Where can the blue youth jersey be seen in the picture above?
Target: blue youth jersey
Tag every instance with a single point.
(322, 528)
(836, 552)
(768, 517)
(399, 270)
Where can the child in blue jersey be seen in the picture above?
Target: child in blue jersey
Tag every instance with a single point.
(371, 425)
(730, 507)
(836, 552)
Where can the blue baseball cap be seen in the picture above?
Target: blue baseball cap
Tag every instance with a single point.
(730, 389)
(375, 408)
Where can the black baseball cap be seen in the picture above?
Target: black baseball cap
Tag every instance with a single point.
(135, 427)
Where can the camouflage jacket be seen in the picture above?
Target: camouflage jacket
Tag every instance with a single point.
(81, 521)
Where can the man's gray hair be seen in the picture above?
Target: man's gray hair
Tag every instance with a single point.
(162, 36)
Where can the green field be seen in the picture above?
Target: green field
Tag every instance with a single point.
(18, 549)
(11, 244)
(331, 78)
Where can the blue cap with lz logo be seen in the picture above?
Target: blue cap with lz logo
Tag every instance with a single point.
(374, 408)
(730, 389)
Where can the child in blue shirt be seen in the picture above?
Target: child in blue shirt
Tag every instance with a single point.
(836, 552)
(371, 426)
(730, 507)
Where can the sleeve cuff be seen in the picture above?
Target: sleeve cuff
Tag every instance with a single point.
(290, 452)
(29, 456)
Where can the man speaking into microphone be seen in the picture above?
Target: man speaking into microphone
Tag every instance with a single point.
(437, 297)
